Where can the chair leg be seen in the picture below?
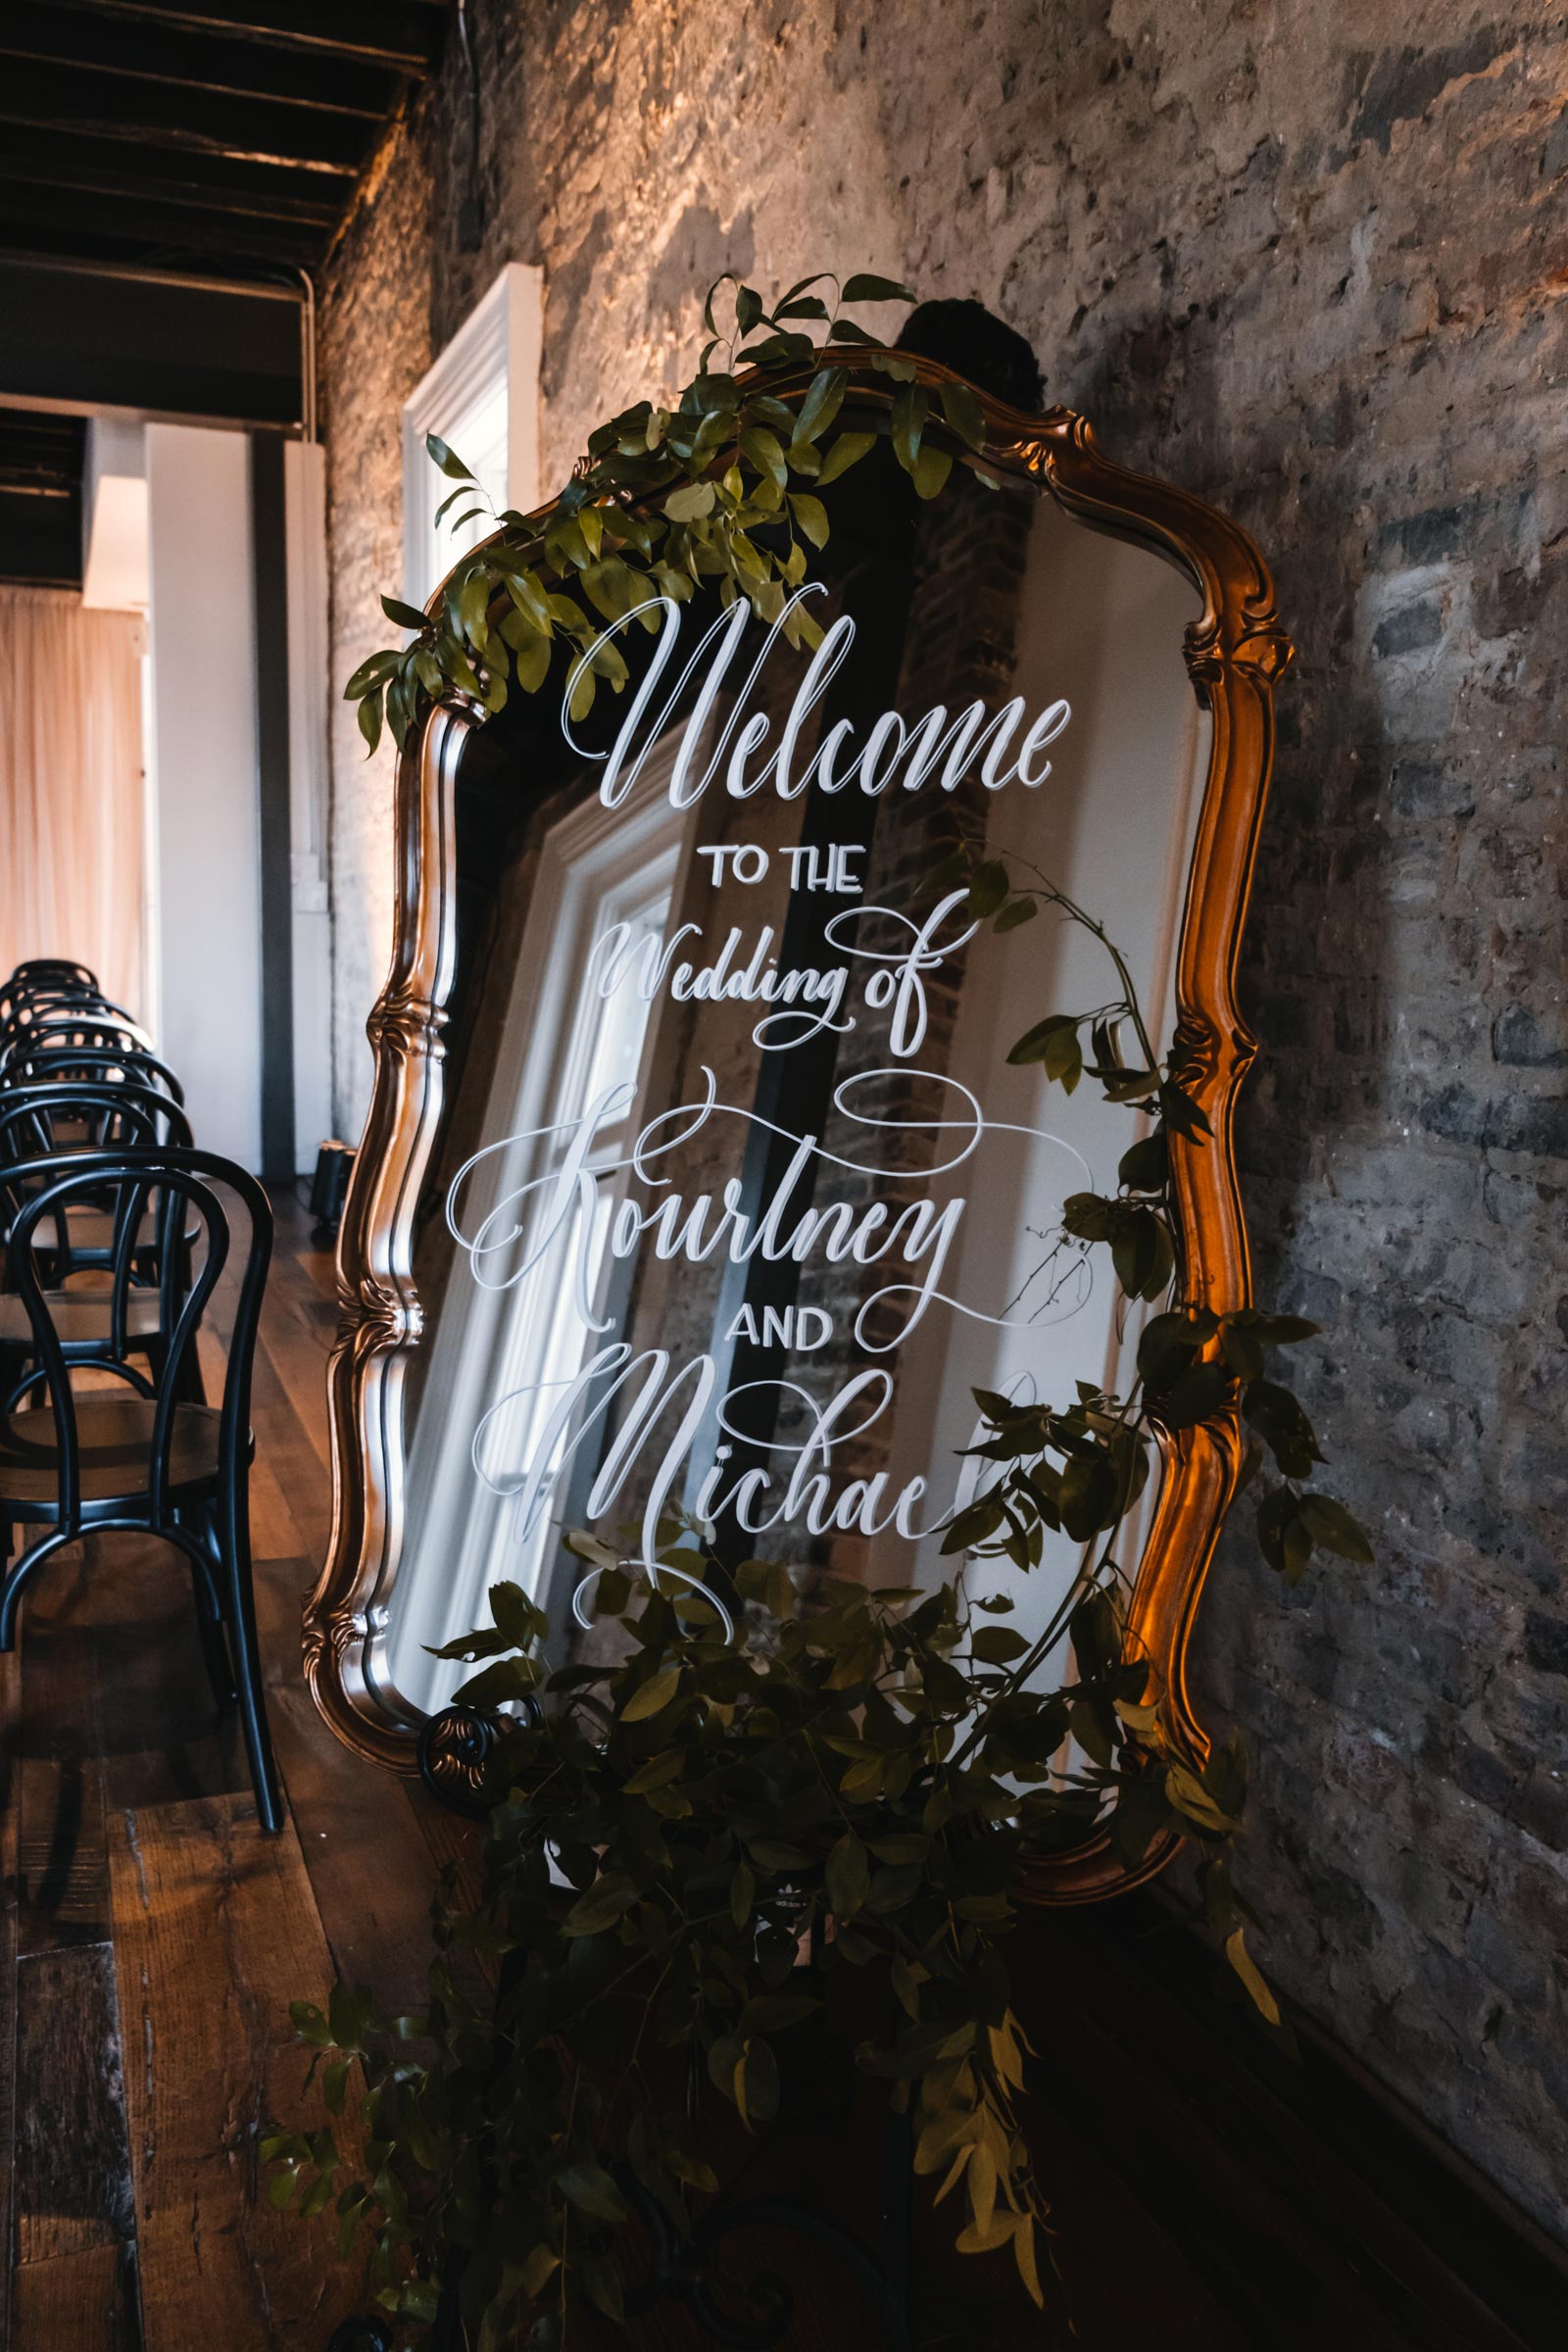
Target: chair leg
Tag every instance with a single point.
(210, 1627)
(234, 1535)
(16, 1578)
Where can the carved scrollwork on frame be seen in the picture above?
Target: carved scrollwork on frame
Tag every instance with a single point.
(1234, 653)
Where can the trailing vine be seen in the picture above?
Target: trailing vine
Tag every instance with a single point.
(863, 1774)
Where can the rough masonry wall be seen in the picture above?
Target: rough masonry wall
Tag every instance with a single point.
(1309, 261)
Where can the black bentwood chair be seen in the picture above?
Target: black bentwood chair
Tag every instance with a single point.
(46, 973)
(54, 1026)
(22, 1063)
(96, 1461)
(52, 967)
(50, 1125)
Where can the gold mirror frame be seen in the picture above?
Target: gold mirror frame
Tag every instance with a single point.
(1234, 652)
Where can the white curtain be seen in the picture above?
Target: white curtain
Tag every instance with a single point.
(70, 788)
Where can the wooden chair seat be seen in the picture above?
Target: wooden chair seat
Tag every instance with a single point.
(91, 1232)
(82, 1318)
(115, 1438)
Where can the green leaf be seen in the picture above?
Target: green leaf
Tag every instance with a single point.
(450, 462)
(930, 470)
(369, 720)
(591, 2187)
(910, 408)
(849, 1876)
(823, 397)
(1330, 1524)
(865, 286)
(963, 411)
(997, 1645)
(538, 2269)
(608, 1899)
(656, 1773)
(1016, 912)
(653, 1696)
(846, 451)
(1183, 1115)
(1168, 1344)
(407, 617)
(1283, 1536)
(370, 673)
(811, 516)
(693, 502)
(1281, 1422)
(988, 890)
(766, 451)
(1200, 1393)
(1241, 1961)
(756, 2083)
(1144, 1165)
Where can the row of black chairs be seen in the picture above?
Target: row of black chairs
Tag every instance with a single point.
(116, 1231)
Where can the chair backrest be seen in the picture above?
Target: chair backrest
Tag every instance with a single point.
(53, 967)
(177, 1186)
(20, 1007)
(91, 1065)
(87, 1027)
(45, 971)
(112, 1116)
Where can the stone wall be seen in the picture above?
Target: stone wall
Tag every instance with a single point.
(1320, 282)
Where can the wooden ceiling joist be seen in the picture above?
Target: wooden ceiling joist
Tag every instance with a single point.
(151, 52)
(403, 36)
(145, 130)
(216, 183)
(150, 115)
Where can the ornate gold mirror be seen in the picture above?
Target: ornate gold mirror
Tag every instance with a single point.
(697, 1176)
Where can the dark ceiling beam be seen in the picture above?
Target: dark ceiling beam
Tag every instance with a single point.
(109, 167)
(74, 39)
(147, 114)
(405, 35)
(139, 231)
(108, 338)
(40, 498)
(40, 452)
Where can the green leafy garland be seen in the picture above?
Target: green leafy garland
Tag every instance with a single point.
(880, 1764)
(722, 489)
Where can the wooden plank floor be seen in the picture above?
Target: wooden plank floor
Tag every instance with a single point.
(150, 1938)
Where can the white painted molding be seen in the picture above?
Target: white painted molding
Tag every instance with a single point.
(309, 667)
(500, 341)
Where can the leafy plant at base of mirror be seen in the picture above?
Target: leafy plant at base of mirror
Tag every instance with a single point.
(880, 1762)
(723, 488)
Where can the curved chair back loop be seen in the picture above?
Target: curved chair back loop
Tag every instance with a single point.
(182, 1183)
(111, 1113)
(45, 978)
(99, 1031)
(20, 1064)
(52, 967)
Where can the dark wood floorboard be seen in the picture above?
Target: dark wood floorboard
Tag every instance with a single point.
(83, 2302)
(73, 2168)
(150, 1938)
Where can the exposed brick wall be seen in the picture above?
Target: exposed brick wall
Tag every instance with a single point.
(1320, 282)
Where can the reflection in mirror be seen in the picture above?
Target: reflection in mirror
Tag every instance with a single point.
(736, 1199)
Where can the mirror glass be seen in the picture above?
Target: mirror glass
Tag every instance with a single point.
(736, 1199)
